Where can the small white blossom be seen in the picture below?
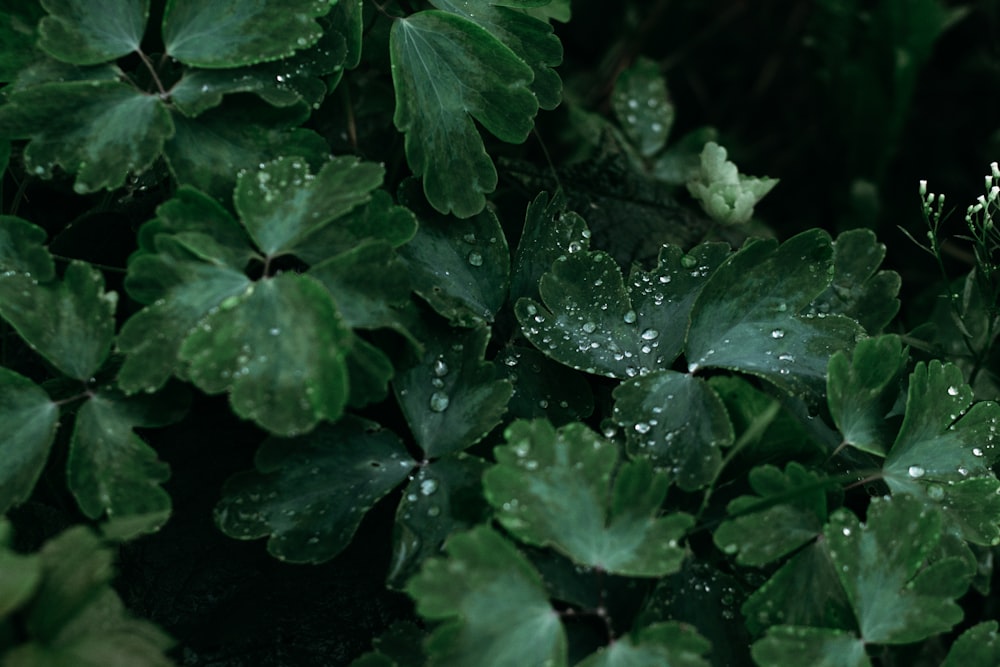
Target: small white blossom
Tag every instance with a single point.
(726, 195)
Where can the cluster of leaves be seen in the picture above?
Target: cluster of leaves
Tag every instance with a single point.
(719, 450)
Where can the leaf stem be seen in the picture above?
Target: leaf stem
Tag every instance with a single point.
(152, 70)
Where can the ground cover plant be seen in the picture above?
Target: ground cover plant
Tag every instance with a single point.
(472, 333)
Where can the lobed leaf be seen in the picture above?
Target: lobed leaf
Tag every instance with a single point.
(671, 644)
(978, 645)
(493, 605)
(19, 574)
(543, 388)
(18, 39)
(449, 73)
(642, 106)
(568, 489)
(308, 494)
(22, 248)
(28, 422)
(90, 32)
(821, 647)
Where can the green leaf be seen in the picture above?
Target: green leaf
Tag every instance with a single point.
(859, 290)
(110, 470)
(348, 17)
(747, 317)
(543, 388)
(788, 511)
(863, 389)
(790, 645)
(309, 494)
(209, 152)
(449, 73)
(234, 33)
(944, 443)
(530, 38)
(83, 32)
(28, 421)
(878, 564)
(460, 267)
(369, 372)
(659, 645)
(18, 36)
(282, 202)
(22, 248)
(99, 130)
(594, 321)
(568, 489)
(677, 422)
(453, 397)
(442, 498)
(70, 323)
(493, 604)
(642, 106)
(279, 349)
(978, 645)
(19, 574)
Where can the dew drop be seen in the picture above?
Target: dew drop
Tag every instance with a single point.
(630, 317)
(589, 327)
(778, 333)
(475, 259)
(976, 451)
(439, 401)
(916, 472)
(428, 486)
(642, 427)
(440, 368)
(650, 334)
(953, 391)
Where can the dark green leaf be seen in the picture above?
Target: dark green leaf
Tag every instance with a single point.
(660, 645)
(528, 37)
(348, 17)
(449, 73)
(593, 322)
(642, 106)
(543, 388)
(861, 391)
(18, 36)
(442, 498)
(279, 349)
(85, 32)
(494, 607)
(747, 317)
(452, 398)
(681, 162)
(99, 130)
(110, 470)
(461, 267)
(978, 645)
(282, 202)
(19, 574)
(28, 421)
(369, 371)
(890, 548)
(818, 647)
(22, 248)
(788, 512)
(309, 494)
(70, 322)
(568, 489)
(234, 33)
(859, 290)
(677, 422)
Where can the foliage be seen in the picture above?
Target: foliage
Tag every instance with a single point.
(637, 426)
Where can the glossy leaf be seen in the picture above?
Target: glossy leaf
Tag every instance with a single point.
(460, 267)
(283, 202)
(22, 248)
(642, 106)
(670, 644)
(568, 489)
(84, 32)
(543, 388)
(549, 231)
(448, 74)
(494, 608)
(278, 349)
(227, 33)
(979, 645)
(747, 319)
(308, 495)
(862, 389)
(453, 397)
(677, 422)
(110, 470)
(530, 38)
(594, 321)
(791, 645)
(443, 497)
(858, 289)
(99, 130)
(788, 511)
(70, 322)
(28, 422)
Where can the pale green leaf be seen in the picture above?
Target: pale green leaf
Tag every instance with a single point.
(69, 322)
(495, 609)
(448, 74)
(99, 130)
(568, 489)
(279, 350)
(28, 420)
(308, 494)
(677, 422)
(234, 33)
(89, 32)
